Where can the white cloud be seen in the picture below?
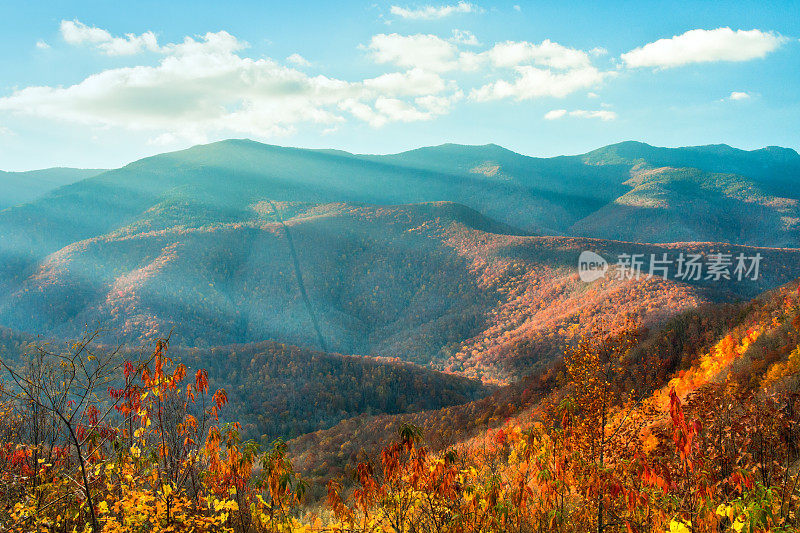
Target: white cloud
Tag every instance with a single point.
(423, 51)
(704, 46)
(603, 115)
(464, 37)
(300, 61)
(165, 139)
(544, 69)
(76, 33)
(204, 85)
(517, 7)
(385, 110)
(532, 82)
(414, 82)
(429, 12)
(555, 114)
(220, 43)
(546, 53)
(41, 45)
(547, 69)
(439, 105)
(737, 95)
(398, 110)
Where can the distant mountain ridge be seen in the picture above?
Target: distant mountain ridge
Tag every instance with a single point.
(768, 164)
(556, 195)
(22, 187)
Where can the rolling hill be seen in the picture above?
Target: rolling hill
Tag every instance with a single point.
(277, 390)
(434, 284)
(239, 242)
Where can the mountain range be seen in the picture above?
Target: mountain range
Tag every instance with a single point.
(434, 265)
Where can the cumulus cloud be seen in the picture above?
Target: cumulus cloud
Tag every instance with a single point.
(41, 45)
(204, 84)
(439, 55)
(429, 12)
(532, 82)
(540, 70)
(220, 43)
(76, 33)
(546, 69)
(424, 51)
(416, 82)
(704, 46)
(555, 114)
(385, 109)
(737, 95)
(603, 115)
(546, 53)
(207, 85)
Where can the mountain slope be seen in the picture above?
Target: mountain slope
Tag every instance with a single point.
(775, 167)
(277, 390)
(755, 344)
(239, 242)
(282, 391)
(23, 187)
(606, 193)
(668, 204)
(435, 284)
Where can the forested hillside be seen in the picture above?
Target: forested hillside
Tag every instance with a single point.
(405, 343)
(690, 428)
(434, 284)
(281, 391)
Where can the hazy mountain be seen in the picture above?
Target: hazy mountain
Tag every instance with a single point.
(436, 284)
(774, 167)
(623, 183)
(703, 193)
(240, 242)
(22, 187)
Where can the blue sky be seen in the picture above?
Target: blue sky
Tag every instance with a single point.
(99, 84)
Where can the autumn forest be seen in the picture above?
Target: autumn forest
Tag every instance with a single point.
(248, 338)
